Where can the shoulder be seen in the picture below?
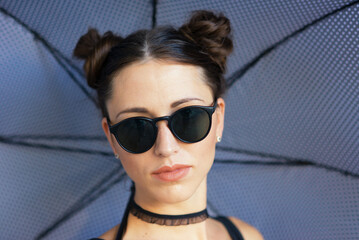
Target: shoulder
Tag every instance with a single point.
(110, 234)
(248, 231)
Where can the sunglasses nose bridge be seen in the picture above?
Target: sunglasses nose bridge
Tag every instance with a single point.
(167, 118)
(166, 141)
(155, 120)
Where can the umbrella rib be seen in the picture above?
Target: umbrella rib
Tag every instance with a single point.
(260, 154)
(287, 161)
(55, 53)
(40, 38)
(51, 147)
(86, 200)
(237, 75)
(55, 137)
(154, 13)
(96, 191)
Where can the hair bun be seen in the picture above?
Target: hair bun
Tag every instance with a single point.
(212, 33)
(94, 48)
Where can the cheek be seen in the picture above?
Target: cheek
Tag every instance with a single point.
(127, 159)
(129, 165)
(132, 163)
(204, 151)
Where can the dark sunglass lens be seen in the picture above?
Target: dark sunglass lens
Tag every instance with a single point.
(191, 124)
(136, 135)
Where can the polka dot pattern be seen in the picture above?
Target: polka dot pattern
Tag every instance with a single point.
(65, 23)
(300, 101)
(287, 202)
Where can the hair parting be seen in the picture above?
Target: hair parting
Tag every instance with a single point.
(204, 41)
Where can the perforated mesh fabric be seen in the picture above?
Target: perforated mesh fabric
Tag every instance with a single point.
(306, 91)
(256, 24)
(62, 23)
(288, 161)
(303, 202)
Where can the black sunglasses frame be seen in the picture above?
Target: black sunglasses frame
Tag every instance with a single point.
(208, 109)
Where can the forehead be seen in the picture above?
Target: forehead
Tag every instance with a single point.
(157, 83)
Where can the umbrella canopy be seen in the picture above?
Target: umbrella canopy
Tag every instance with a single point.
(288, 161)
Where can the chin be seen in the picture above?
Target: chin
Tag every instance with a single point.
(175, 195)
(176, 192)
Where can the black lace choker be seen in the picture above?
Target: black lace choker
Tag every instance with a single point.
(168, 220)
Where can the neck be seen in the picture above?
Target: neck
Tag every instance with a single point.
(173, 200)
(193, 204)
(165, 219)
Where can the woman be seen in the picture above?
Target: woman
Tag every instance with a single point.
(160, 95)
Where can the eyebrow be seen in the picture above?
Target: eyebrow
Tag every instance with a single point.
(144, 110)
(184, 100)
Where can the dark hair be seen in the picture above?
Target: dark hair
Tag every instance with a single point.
(203, 41)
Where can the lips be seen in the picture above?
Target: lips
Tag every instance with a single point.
(170, 174)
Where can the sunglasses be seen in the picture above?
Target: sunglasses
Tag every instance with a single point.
(189, 124)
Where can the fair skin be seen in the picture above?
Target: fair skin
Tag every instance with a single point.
(152, 89)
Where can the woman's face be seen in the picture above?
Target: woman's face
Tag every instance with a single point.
(155, 89)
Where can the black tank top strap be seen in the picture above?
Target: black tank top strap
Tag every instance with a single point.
(231, 228)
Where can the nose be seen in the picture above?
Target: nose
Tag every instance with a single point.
(166, 143)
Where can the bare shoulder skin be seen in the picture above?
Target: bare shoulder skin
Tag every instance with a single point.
(248, 231)
(111, 234)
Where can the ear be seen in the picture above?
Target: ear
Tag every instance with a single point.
(219, 113)
(109, 136)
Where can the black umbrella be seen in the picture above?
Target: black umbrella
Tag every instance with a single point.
(288, 162)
